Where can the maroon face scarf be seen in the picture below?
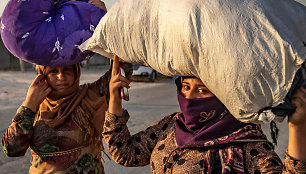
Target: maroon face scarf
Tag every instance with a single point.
(203, 119)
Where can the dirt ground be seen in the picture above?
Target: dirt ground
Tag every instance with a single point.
(149, 103)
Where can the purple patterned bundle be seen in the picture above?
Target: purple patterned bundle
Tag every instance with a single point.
(41, 32)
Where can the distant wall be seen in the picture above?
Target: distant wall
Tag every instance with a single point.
(10, 62)
(4, 56)
(97, 59)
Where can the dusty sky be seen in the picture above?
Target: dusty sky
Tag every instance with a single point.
(109, 4)
(302, 2)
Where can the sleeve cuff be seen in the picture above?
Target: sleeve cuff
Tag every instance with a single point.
(294, 165)
(24, 118)
(113, 121)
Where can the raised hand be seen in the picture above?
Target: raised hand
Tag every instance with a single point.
(37, 92)
(117, 81)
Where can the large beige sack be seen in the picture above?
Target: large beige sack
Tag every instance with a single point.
(3, 3)
(245, 51)
(2, 6)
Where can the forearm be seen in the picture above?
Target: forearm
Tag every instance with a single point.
(115, 107)
(16, 139)
(125, 149)
(297, 142)
(30, 105)
(297, 126)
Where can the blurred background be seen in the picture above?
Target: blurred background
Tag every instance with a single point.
(152, 96)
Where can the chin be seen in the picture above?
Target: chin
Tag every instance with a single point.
(61, 91)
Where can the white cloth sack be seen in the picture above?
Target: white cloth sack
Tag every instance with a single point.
(245, 51)
(2, 6)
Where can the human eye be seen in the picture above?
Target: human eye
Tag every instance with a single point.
(68, 69)
(52, 71)
(203, 91)
(186, 87)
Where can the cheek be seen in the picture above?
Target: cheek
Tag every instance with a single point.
(205, 95)
(199, 95)
(51, 80)
(183, 90)
(71, 79)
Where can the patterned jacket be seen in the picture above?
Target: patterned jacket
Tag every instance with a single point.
(157, 146)
(61, 149)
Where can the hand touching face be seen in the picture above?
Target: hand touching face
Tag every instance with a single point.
(37, 92)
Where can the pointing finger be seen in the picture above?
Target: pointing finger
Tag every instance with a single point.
(115, 65)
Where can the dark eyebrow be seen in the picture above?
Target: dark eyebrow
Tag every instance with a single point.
(68, 67)
(51, 68)
(196, 85)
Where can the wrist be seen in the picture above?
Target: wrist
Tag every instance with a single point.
(30, 105)
(297, 142)
(24, 118)
(116, 111)
(115, 107)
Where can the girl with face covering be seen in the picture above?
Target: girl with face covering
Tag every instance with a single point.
(202, 138)
(61, 121)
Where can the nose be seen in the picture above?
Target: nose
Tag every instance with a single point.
(60, 76)
(190, 95)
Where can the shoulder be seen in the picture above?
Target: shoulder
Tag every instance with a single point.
(165, 124)
(167, 119)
